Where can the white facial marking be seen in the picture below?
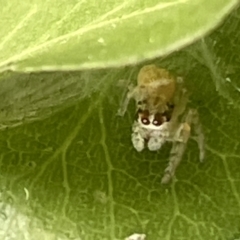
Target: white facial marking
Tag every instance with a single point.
(150, 125)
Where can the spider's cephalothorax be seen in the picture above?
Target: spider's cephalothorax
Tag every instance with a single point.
(154, 92)
(155, 89)
(162, 115)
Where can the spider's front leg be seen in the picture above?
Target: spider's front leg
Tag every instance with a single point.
(124, 104)
(180, 140)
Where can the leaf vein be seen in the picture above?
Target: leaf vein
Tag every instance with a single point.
(18, 26)
(33, 50)
(109, 175)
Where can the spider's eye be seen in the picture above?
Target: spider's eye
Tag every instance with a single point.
(145, 121)
(158, 119)
(143, 116)
(156, 122)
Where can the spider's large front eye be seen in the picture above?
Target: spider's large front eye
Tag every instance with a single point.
(158, 119)
(143, 115)
(145, 121)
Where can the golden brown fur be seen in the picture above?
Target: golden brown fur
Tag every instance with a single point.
(156, 88)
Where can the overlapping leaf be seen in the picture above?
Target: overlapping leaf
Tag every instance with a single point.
(75, 34)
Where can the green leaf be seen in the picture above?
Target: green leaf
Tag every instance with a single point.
(82, 34)
(25, 97)
(73, 173)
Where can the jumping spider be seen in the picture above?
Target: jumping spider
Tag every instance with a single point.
(162, 115)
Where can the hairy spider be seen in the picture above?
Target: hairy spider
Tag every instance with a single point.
(162, 116)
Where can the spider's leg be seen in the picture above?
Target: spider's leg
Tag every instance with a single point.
(180, 133)
(180, 141)
(124, 104)
(193, 119)
(176, 153)
(180, 102)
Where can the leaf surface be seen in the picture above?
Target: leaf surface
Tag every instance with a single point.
(81, 34)
(69, 171)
